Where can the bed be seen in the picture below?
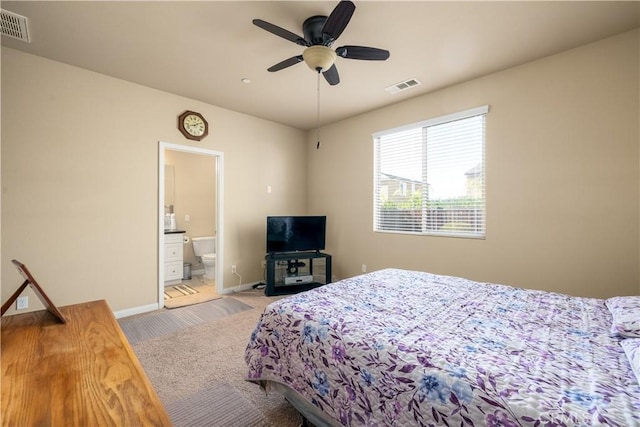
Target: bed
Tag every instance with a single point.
(406, 348)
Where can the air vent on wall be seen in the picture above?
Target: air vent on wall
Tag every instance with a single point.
(14, 25)
(402, 86)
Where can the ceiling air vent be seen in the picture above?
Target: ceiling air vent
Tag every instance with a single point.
(402, 86)
(14, 25)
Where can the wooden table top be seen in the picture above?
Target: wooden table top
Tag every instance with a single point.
(83, 373)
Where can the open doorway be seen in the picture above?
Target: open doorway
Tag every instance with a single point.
(167, 198)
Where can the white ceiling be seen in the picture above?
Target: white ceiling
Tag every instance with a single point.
(202, 50)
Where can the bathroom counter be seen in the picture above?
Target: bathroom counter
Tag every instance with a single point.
(174, 231)
(83, 372)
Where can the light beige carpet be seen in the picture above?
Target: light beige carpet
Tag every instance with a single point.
(218, 405)
(188, 293)
(199, 357)
(163, 322)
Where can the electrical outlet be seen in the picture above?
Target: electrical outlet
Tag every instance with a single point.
(233, 269)
(364, 268)
(22, 302)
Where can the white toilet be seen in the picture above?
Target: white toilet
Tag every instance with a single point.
(205, 249)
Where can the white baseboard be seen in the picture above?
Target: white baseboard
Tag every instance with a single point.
(135, 310)
(199, 272)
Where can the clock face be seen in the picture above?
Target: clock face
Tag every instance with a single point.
(194, 125)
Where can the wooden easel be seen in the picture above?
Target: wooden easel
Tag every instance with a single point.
(29, 280)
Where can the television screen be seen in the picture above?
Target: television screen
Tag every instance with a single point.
(295, 233)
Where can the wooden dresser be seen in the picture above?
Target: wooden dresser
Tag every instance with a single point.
(82, 373)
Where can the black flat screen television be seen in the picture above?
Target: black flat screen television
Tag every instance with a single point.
(296, 233)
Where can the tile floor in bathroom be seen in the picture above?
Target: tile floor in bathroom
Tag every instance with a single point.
(196, 280)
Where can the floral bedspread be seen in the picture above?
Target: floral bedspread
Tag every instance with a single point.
(403, 348)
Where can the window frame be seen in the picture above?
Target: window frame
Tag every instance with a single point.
(377, 207)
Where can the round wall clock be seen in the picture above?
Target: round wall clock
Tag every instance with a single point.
(193, 125)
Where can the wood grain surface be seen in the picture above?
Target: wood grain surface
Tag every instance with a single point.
(82, 373)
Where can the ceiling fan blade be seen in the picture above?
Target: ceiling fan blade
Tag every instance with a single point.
(362, 52)
(280, 32)
(331, 75)
(286, 63)
(338, 20)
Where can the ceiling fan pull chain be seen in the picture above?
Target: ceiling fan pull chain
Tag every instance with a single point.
(318, 115)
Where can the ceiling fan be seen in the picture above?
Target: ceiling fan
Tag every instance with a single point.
(320, 32)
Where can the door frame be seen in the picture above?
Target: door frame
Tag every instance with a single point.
(219, 156)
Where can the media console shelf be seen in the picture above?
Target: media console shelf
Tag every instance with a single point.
(293, 272)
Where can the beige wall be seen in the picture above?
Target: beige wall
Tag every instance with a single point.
(562, 177)
(80, 181)
(80, 157)
(194, 195)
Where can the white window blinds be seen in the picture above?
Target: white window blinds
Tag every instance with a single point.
(429, 177)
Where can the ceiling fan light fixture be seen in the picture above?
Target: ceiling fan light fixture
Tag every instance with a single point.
(319, 58)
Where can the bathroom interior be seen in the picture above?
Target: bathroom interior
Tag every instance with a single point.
(190, 219)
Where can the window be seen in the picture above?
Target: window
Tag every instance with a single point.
(429, 177)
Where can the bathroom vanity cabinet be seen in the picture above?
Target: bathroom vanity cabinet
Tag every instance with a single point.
(173, 257)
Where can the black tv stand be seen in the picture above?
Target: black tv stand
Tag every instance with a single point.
(295, 276)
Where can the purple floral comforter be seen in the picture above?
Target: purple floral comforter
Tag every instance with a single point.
(403, 348)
